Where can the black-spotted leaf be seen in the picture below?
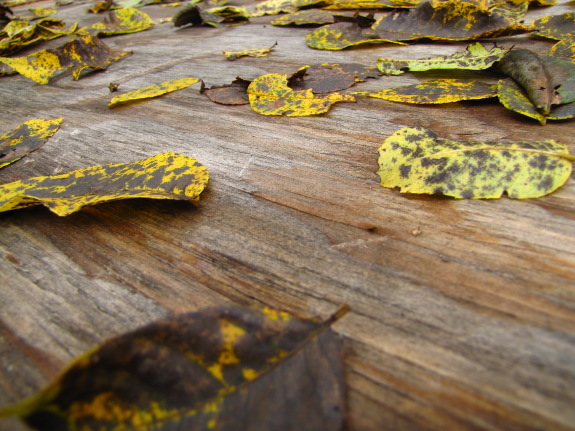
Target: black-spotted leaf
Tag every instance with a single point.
(271, 95)
(343, 35)
(417, 161)
(369, 4)
(437, 91)
(274, 7)
(226, 368)
(447, 20)
(122, 21)
(475, 57)
(305, 17)
(77, 55)
(555, 26)
(164, 176)
(250, 52)
(25, 138)
(565, 49)
(152, 91)
(196, 16)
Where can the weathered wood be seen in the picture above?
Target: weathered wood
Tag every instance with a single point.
(463, 312)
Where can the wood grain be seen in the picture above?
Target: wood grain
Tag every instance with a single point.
(463, 312)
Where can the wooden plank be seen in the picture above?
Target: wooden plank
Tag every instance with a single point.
(462, 311)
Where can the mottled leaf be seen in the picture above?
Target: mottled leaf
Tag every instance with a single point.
(361, 72)
(77, 55)
(513, 97)
(27, 137)
(42, 12)
(164, 176)
(152, 91)
(437, 91)
(321, 79)
(343, 35)
(512, 9)
(122, 21)
(274, 7)
(565, 49)
(305, 17)
(417, 161)
(271, 95)
(251, 52)
(103, 6)
(555, 26)
(235, 93)
(197, 16)
(475, 57)
(447, 20)
(370, 4)
(223, 369)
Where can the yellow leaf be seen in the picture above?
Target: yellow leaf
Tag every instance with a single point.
(252, 52)
(164, 176)
(271, 95)
(417, 161)
(122, 21)
(152, 91)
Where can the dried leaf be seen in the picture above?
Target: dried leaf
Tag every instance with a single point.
(152, 91)
(84, 53)
(274, 7)
(271, 95)
(565, 49)
(417, 161)
(27, 137)
(321, 79)
(447, 20)
(555, 26)
(437, 91)
(103, 6)
(305, 17)
(512, 9)
(513, 97)
(164, 176)
(196, 16)
(343, 35)
(369, 4)
(122, 21)
(235, 93)
(251, 52)
(42, 12)
(475, 57)
(217, 369)
(361, 72)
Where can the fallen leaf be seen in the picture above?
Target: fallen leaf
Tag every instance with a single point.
(235, 93)
(361, 72)
(321, 79)
(343, 35)
(219, 368)
(122, 21)
(475, 57)
(196, 16)
(164, 176)
(512, 9)
(305, 17)
(447, 20)
(251, 52)
(513, 97)
(152, 91)
(417, 161)
(565, 49)
(83, 53)
(102, 6)
(42, 12)
(271, 95)
(437, 91)
(274, 7)
(27, 137)
(555, 26)
(369, 4)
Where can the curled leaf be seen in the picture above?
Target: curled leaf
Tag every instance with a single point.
(251, 52)
(122, 21)
(437, 91)
(217, 369)
(152, 91)
(164, 176)
(417, 161)
(197, 16)
(27, 137)
(343, 35)
(77, 55)
(475, 57)
(271, 95)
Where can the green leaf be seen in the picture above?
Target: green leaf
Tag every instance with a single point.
(164, 176)
(27, 137)
(437, 91)
(152, 91)
(475, 57)
(417, 161)
(216, 369)
(555, 26)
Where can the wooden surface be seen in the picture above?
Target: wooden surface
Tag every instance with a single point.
(463, 312)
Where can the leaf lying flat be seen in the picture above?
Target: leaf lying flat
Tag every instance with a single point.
(122, 21)
(27, 137)
(274, 7)
(215, 17)
(251, 52)
(305, 17)
(321, 79)
(369, 4)
(343, 35)
(235, 93)
(555, 26)
(164, 176)
(217, 369)
(152, 91)
(565, 49)
(437, 91)
(475, 57)
(447, 20)
(417, 161)
(84, 53)
(271, 95)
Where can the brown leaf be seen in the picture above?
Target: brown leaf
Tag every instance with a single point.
(230, 94)
(321, 79)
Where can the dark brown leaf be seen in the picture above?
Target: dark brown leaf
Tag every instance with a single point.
(230, 94)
